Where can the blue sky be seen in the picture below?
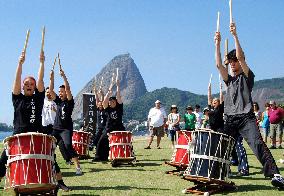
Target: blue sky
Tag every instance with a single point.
(171, 41)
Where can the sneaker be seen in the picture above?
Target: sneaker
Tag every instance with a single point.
(280, 147)
(79, 171)
(278, 181)
(69, 163)
(148, 147)
(242, 173)
(272, 147)
(63, 187)
(158, 147)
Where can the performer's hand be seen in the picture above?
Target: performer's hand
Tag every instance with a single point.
(209, 86)
(61, 72)
(117, 82)
(217, 38)
(233, 29)
(41, 57)
(226, 60)
(22, 58)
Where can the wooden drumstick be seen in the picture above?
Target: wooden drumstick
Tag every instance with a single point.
(60, 67)
(54, 63)
(231, 12)
(210, 79)
(226, 46)
(26, 41)
(218, 22)
(116, 73)
(101, 85)
(42, 39)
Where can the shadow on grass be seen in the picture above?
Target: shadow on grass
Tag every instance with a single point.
(141, 164)
(252, 188)
(161, 160)
(121, 188)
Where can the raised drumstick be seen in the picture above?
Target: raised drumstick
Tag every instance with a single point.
(26, 41)
(60, 67)
(54, 63)
(42, 39)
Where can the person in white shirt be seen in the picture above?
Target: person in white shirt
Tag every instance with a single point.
(157, 118)
(199, 116)
(48, 116)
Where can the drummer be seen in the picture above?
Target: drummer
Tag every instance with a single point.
(101, 144)
(28, 109)
(113, 107)
(238, 110)
(48, 116)
(63, 125)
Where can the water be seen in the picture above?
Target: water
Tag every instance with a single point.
(3, 135)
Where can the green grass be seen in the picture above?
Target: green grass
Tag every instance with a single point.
(149, 178)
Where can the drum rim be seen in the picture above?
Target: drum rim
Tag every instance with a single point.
(211, 131)
(28, 134)
(82, 131)
(120, 132)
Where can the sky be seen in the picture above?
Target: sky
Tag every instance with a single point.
(171, 41)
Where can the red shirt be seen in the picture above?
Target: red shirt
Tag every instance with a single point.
(275, 115)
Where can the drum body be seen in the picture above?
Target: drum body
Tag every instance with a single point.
(210, 156)
(80, 142)
(120, 143)
(181, 154)
(30, 162)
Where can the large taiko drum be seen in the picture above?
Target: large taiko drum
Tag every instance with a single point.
(209, 157)
(181, 155)
(30, 162)
(80, 142)
(120, 143)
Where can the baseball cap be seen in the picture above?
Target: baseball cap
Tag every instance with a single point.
(158, 101)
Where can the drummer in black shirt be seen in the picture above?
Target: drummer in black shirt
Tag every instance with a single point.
(113, 107)
(238, 110)
(28, 109)
(63, 125)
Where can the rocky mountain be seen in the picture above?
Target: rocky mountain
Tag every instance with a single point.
(131, 82)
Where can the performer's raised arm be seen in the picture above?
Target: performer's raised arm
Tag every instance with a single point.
(221, 93)
(97, 94)
(66, 84)
(223, 71)
(239, 51)
(108, 95)
(51, 85)
(209, 94)
(40, 83)
(17, 81)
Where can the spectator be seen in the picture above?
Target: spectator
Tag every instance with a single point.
(173, 123)
(189, 119)
(275, 118)
(199, 116)
(157, 118)
(265, 122)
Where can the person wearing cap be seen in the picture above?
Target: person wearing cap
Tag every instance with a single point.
(157, 119)
(205, 119)
(276, 115)
(173, 123)
(238, 108)
(189, 119)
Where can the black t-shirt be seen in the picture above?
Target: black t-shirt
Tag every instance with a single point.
(114, 118)
(216, 121)
(238, 95)
(63, 119)
(101, 119)
(27, 112)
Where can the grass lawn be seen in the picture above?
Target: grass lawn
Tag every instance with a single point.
(149, 178)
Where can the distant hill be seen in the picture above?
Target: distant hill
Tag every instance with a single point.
(5, 127)
(131, 82)
(139, 108)
(263, 91)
